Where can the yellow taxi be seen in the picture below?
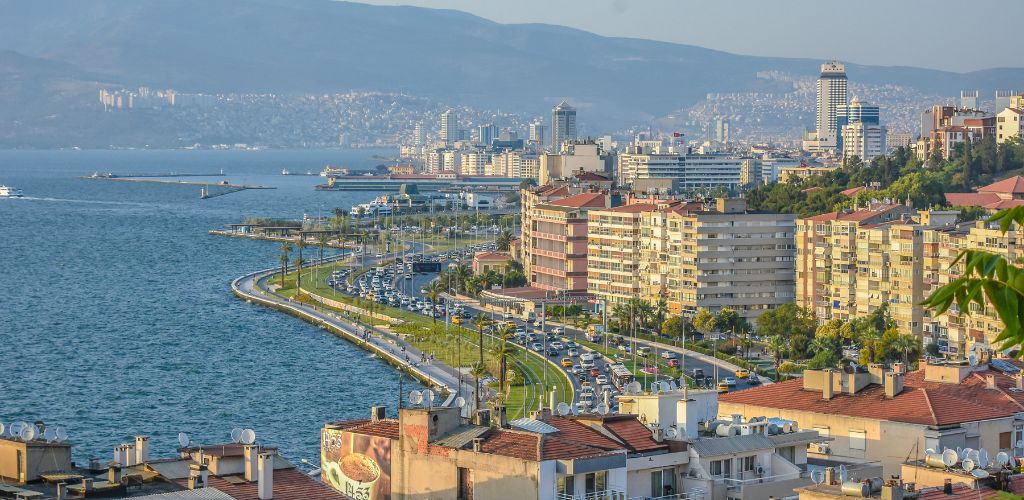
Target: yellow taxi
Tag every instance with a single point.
(567, 362)
(723, 387)
(742, 373)
(456, 320)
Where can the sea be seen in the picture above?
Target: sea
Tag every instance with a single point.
(116, 312)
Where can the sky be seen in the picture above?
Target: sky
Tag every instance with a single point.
(951, 35)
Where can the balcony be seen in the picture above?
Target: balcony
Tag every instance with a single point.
(597, 495)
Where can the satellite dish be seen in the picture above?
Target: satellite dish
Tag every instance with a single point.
(929, 451)
(673, 385)
(967, 464)
(950, 457)
(236, 435)
(563, 409)
(16, 428)
(415, 397)
(428, 397)
(844, 475)
(460, 402)
(979, 473)
(602, 409)
(633, 387)
(2, 429)
(818, 476)
(671, 433)
(983, 460)
(62, 435)
(976, 456)
(248, 436)
(1020, 444)
(1002, 458)
(28, 433)
(972, 359)
(50, 435)
(183, 439)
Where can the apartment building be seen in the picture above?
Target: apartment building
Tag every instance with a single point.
(555, 248)
(693, 255)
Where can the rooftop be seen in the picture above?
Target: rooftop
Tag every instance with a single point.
(582, 200)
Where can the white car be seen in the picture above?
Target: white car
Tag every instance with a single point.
(601, 380)
(573, 353)
(556, 345)
(557, 330)
(669, 355)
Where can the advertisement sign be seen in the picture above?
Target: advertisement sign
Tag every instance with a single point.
(357, 465)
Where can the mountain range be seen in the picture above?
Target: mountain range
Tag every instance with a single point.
(54, 48)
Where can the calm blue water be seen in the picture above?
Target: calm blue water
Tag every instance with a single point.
(116, 316)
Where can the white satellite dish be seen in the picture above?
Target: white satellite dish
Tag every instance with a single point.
(16, 428)
(633, 387)
(929, 451)
(62, 435)
(428, 397)
(602, 409)
(671, 433)
(563, 409)
(844, 475)
(50, 435)
(1020, 444)
(415, 397)
(818, 476)
(967, 464)
(1002, 458)
(979, 473)
(983, 460)
(236, 435)
(460, 402)
(972, 359)
(248, 436)
(950, 457)
(2, 429)
(28, 433)
(673, 385)
(183, 439)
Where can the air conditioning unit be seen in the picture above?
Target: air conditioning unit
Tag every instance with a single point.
(819, 448)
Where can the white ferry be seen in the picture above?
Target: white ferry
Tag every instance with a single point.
(9, 192)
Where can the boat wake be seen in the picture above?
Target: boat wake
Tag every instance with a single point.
(91, 202)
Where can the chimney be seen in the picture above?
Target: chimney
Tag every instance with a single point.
(121, 454)
(877, 372)
(265, 486)
(483, 418)
(827, 391)
(197, 476)
(501, 415)
(947, 486)
(249, 452)
(62, 490)
(141, 449)
(130, 455)
(552, 405)
(114, 473)
(893, 384)
(892, 491)
(378, 413)
(899, 368)
(478, 444)
(87, 484)
(1019, 379)
(990, 381)
(830, 475)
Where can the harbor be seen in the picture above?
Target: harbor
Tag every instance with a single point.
(207, 189)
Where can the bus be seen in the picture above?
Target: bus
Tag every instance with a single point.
(621, 376)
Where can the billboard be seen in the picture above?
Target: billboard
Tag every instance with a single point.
(426, 267)
(357, 465)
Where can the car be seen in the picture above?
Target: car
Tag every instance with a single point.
(506, 316)
(754, 379)
(586, 387)
(730, 380)
(537, 347)
(456, 320)
(742, 373)
(556, 344)
(669, 355)
(567, 362)
(601, 380)
(698, 374)
(624, 348)
(723, 387)
(557, 330)
(674, 363)
(571, 345)
(582, 377)
(594, 371)
(573, 352)
(522, 331)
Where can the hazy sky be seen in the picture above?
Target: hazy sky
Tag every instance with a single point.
(942, 34)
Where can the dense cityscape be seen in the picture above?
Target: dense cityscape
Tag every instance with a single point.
(811, 293)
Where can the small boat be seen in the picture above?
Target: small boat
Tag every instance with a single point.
(10, 192)
(285, 172)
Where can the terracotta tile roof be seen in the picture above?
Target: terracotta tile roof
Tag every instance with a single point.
(492, 255)
(634, 208)
(591, 176)
(971, 199)
(921, 402)
(513, 444)
(553, 191)
(811, 189)
(569, 429)
(852, 191)
(634, 434)
(1002, 204)
(1013, 185)
(963, 492)
(581, 200)
(384, 428)
(856, 216)
(573, 440)
(289, 484)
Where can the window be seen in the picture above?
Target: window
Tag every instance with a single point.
(596, 481)
(465, 484)
(716, 468)
(858, 440)
(721, 468)
(663, 483)
(566, 485)
(1005, 440)
(747, 463)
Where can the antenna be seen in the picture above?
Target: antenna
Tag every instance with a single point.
(818, 476)
(2, 429)
(844, 474)
(929, 451)
(563, 409)
(248, 436)
(236, 435)
(972, 359)
(183, 439)
(416, 397)
(949, 457)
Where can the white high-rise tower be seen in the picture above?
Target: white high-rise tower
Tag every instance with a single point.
(563, 125)
(449, 127)
(831, 95)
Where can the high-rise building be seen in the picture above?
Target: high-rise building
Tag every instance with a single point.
(449, 127)
(861, 135)
(563, 125)
(831, 90)
(474, 163)
(487, 133)
(418, 137)
(537, 133)
(1003, 99)
(969, 99)
(722, 130)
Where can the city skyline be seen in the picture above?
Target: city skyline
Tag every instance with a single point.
(886, 44)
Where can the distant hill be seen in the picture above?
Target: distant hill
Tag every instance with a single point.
(323, 45)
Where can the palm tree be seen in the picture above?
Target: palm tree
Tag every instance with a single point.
(502, 351)
(905, 344)
(504, 240)
(299, 262)
(478, 371)
(480, 323)
(434, 290)
(321, 241)
(777, 346)
(660, 310)
(286, 248)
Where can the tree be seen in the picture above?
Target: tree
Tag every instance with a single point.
(786, 321)
(299, 262)
(480, 323)
(777, 348)
(788, 368)
(704, 321)
(286, 248)
(674, 327)
(908, 346)
(434, 291)
(504, 240)
(660, 310)
(502, 350)
(727, 319)
(478, 371)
